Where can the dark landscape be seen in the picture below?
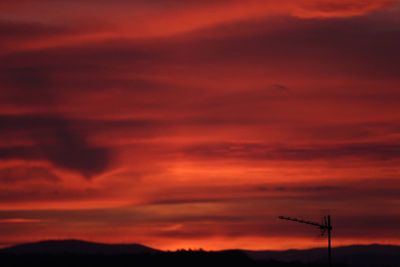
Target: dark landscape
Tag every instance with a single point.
(200, 133)
(81, 253)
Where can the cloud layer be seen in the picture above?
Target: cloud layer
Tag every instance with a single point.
(197, 123)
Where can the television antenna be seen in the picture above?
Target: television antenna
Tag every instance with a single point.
(325, 227)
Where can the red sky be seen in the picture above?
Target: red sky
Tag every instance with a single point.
(183, 124)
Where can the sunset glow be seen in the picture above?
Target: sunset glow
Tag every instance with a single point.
(195, 124)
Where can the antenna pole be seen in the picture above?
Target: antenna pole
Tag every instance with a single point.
(325, 226)
(329, 226)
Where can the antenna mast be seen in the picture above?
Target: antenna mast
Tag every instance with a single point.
(324, 227)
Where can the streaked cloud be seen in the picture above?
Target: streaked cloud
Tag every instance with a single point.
(196, 123)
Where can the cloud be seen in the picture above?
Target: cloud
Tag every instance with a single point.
(59, 141)
(335, 8)
(331, 191)
(20, 34)
(248, 151)
(51, 193)
(172, 75)
(356, 46)
(237, 218)
(22, 174)
(196, 116)
(19, 220)
(67, 148)
(24, 31)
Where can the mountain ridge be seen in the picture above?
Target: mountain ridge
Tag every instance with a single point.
(75, 246)
(354, 255)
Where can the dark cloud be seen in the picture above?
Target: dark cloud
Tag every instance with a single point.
(371, 225)
(41, 78)
(41, 122)
(50, 193)
(29, 82)
(188, 200)
(64, 146)
(67, 148)
(254, 151)
(122, 216)
(39, 127)
(27, 86)
(18, 35)
(241, 217)
(18, 152)
(232, 194)
(22, 174)
(350, 131)
(59, 141)
(339, 7)
(25, 31)
(89, 60)
(301, 189)
(358, 46)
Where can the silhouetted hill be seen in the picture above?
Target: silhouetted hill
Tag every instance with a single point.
(81, 253)
(358, 255)
(76, 247)
(84, 254)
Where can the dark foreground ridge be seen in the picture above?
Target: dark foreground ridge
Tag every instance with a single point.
(57, 247)
(356, 255)
(80, 253)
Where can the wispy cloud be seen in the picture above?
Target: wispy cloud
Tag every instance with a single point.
(197, 120)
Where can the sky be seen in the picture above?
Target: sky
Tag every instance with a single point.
(195, 124)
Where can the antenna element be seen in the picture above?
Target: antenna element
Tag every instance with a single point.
(326, 226)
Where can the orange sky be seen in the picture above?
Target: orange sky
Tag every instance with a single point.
(182, 124)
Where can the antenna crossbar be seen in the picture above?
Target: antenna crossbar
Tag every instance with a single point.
(321, 226)
(325, 226)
